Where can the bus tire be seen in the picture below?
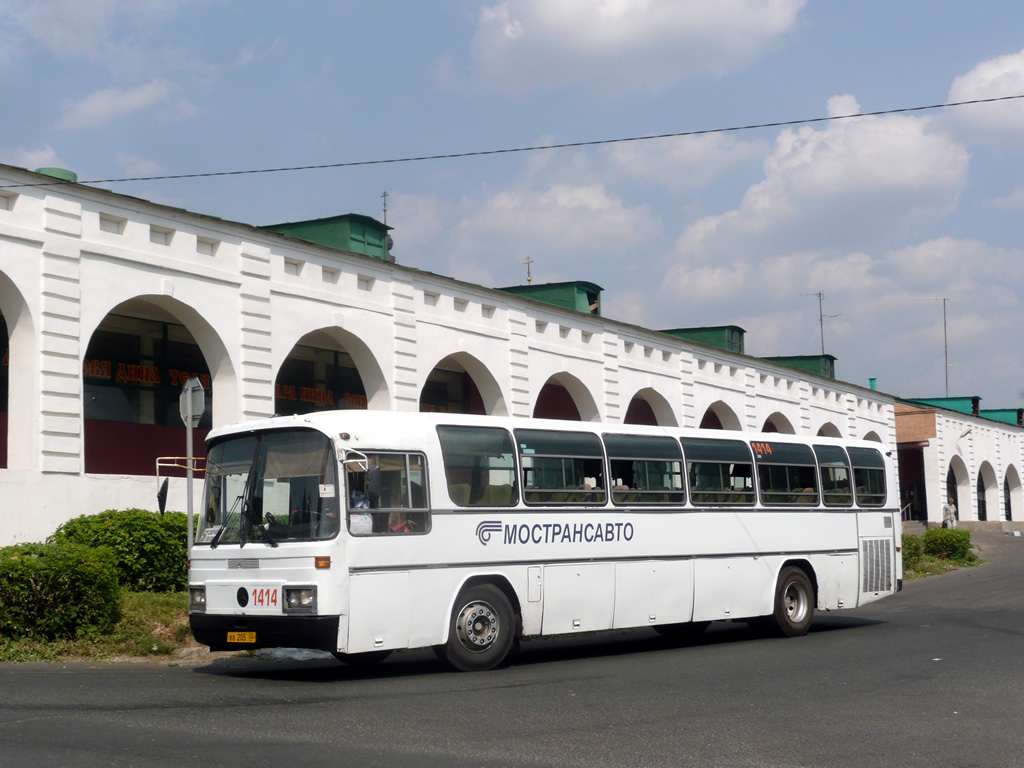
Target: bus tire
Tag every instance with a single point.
(794, 603)
(365, 659)
(481, 630)
(684, 632)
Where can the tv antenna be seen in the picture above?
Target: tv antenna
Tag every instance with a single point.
(821, 316)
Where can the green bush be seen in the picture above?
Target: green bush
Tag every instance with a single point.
(948, 544)
(149, 548)
(911, 551)
(57, 591)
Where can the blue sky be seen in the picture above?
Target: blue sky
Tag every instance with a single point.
(884, 215)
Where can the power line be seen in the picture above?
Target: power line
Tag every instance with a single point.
(513, 150)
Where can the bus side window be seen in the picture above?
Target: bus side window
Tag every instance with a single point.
(868, 476)
(719, 471)
(786, 473)
(388, 495)
(479, 466)
(835, 475)
(561, 467)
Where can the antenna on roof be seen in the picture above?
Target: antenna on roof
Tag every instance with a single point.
(821, 317)
(384, 196)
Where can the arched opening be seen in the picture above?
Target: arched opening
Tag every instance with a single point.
(565, 397)
(720, 416)
(828, 429)
(778, 423)
(958, 487)
(1012, 500)
(137, 361)
(328, 369)
(19, 380)
(988, 499)
(873, 437)
(650, 408)
(4, 391)
(462, 384)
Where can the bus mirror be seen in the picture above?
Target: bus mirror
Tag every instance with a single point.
(161, 496)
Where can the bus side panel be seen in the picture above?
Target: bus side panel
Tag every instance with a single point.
(732, 588)
(657, 592)
(578, 598)
(837, 579)
(378, 611)
(880, 567)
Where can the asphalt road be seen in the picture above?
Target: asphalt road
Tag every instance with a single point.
(931, 677)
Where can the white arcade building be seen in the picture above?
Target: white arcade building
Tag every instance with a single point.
(111, 302)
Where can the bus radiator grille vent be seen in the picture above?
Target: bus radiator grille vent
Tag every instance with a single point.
(876, 560)
(243, 563)
(888, 522)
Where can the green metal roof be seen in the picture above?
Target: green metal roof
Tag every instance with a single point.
(578, 295)
(351, 232)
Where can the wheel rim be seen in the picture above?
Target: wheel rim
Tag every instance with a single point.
(478, 626)
(796, 602)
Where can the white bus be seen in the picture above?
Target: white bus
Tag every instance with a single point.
(362, 532)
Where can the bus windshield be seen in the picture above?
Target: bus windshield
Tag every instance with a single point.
(270, 487)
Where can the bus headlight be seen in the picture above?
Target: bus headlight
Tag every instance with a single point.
(197, 599)
(300, 599)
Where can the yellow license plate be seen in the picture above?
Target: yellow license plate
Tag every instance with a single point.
(241, 637)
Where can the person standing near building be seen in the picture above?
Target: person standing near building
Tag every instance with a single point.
(949, 514)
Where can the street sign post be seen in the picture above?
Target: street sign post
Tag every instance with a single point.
(191, 404)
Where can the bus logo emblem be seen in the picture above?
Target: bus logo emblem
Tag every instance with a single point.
(486, 528)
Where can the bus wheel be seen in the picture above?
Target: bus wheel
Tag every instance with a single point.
(481, 630)
(794, 603)
(684, 632)
(365, 659)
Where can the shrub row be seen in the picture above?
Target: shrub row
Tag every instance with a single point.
(52, 591)
(72, 584)
(942, 543)
(149, 548)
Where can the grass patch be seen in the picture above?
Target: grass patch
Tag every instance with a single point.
(941, 551)
(152, 625)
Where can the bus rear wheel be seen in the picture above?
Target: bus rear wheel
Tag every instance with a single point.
(481, 630)
(794, 603)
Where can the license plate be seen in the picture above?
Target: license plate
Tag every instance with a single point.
(241, 637)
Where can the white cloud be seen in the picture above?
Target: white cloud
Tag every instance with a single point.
(991, 79)
(45, 157)
(565, 228)
(846, 185)
(684, 162)
(109, 104)
(1012, 201)
(134, 165)
(527, 45)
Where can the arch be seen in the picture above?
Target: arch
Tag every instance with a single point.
(563, 396)
(873, 437)
(649, 406)
(777, 422)
(720, 416)
(481, 393)
(988, 496)
(20, 374)
(958, 486)
(137, 359)
(1013, 503)
(828, 429)
(329, 368)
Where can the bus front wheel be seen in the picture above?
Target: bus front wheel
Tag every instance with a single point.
(794, 603)
(481, 630)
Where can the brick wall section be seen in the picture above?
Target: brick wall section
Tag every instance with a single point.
(914, 425)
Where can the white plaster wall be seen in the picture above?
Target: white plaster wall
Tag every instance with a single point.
(249, 296)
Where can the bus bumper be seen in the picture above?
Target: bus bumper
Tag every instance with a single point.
(251, 632)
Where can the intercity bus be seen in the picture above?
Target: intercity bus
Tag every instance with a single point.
(363, 532)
